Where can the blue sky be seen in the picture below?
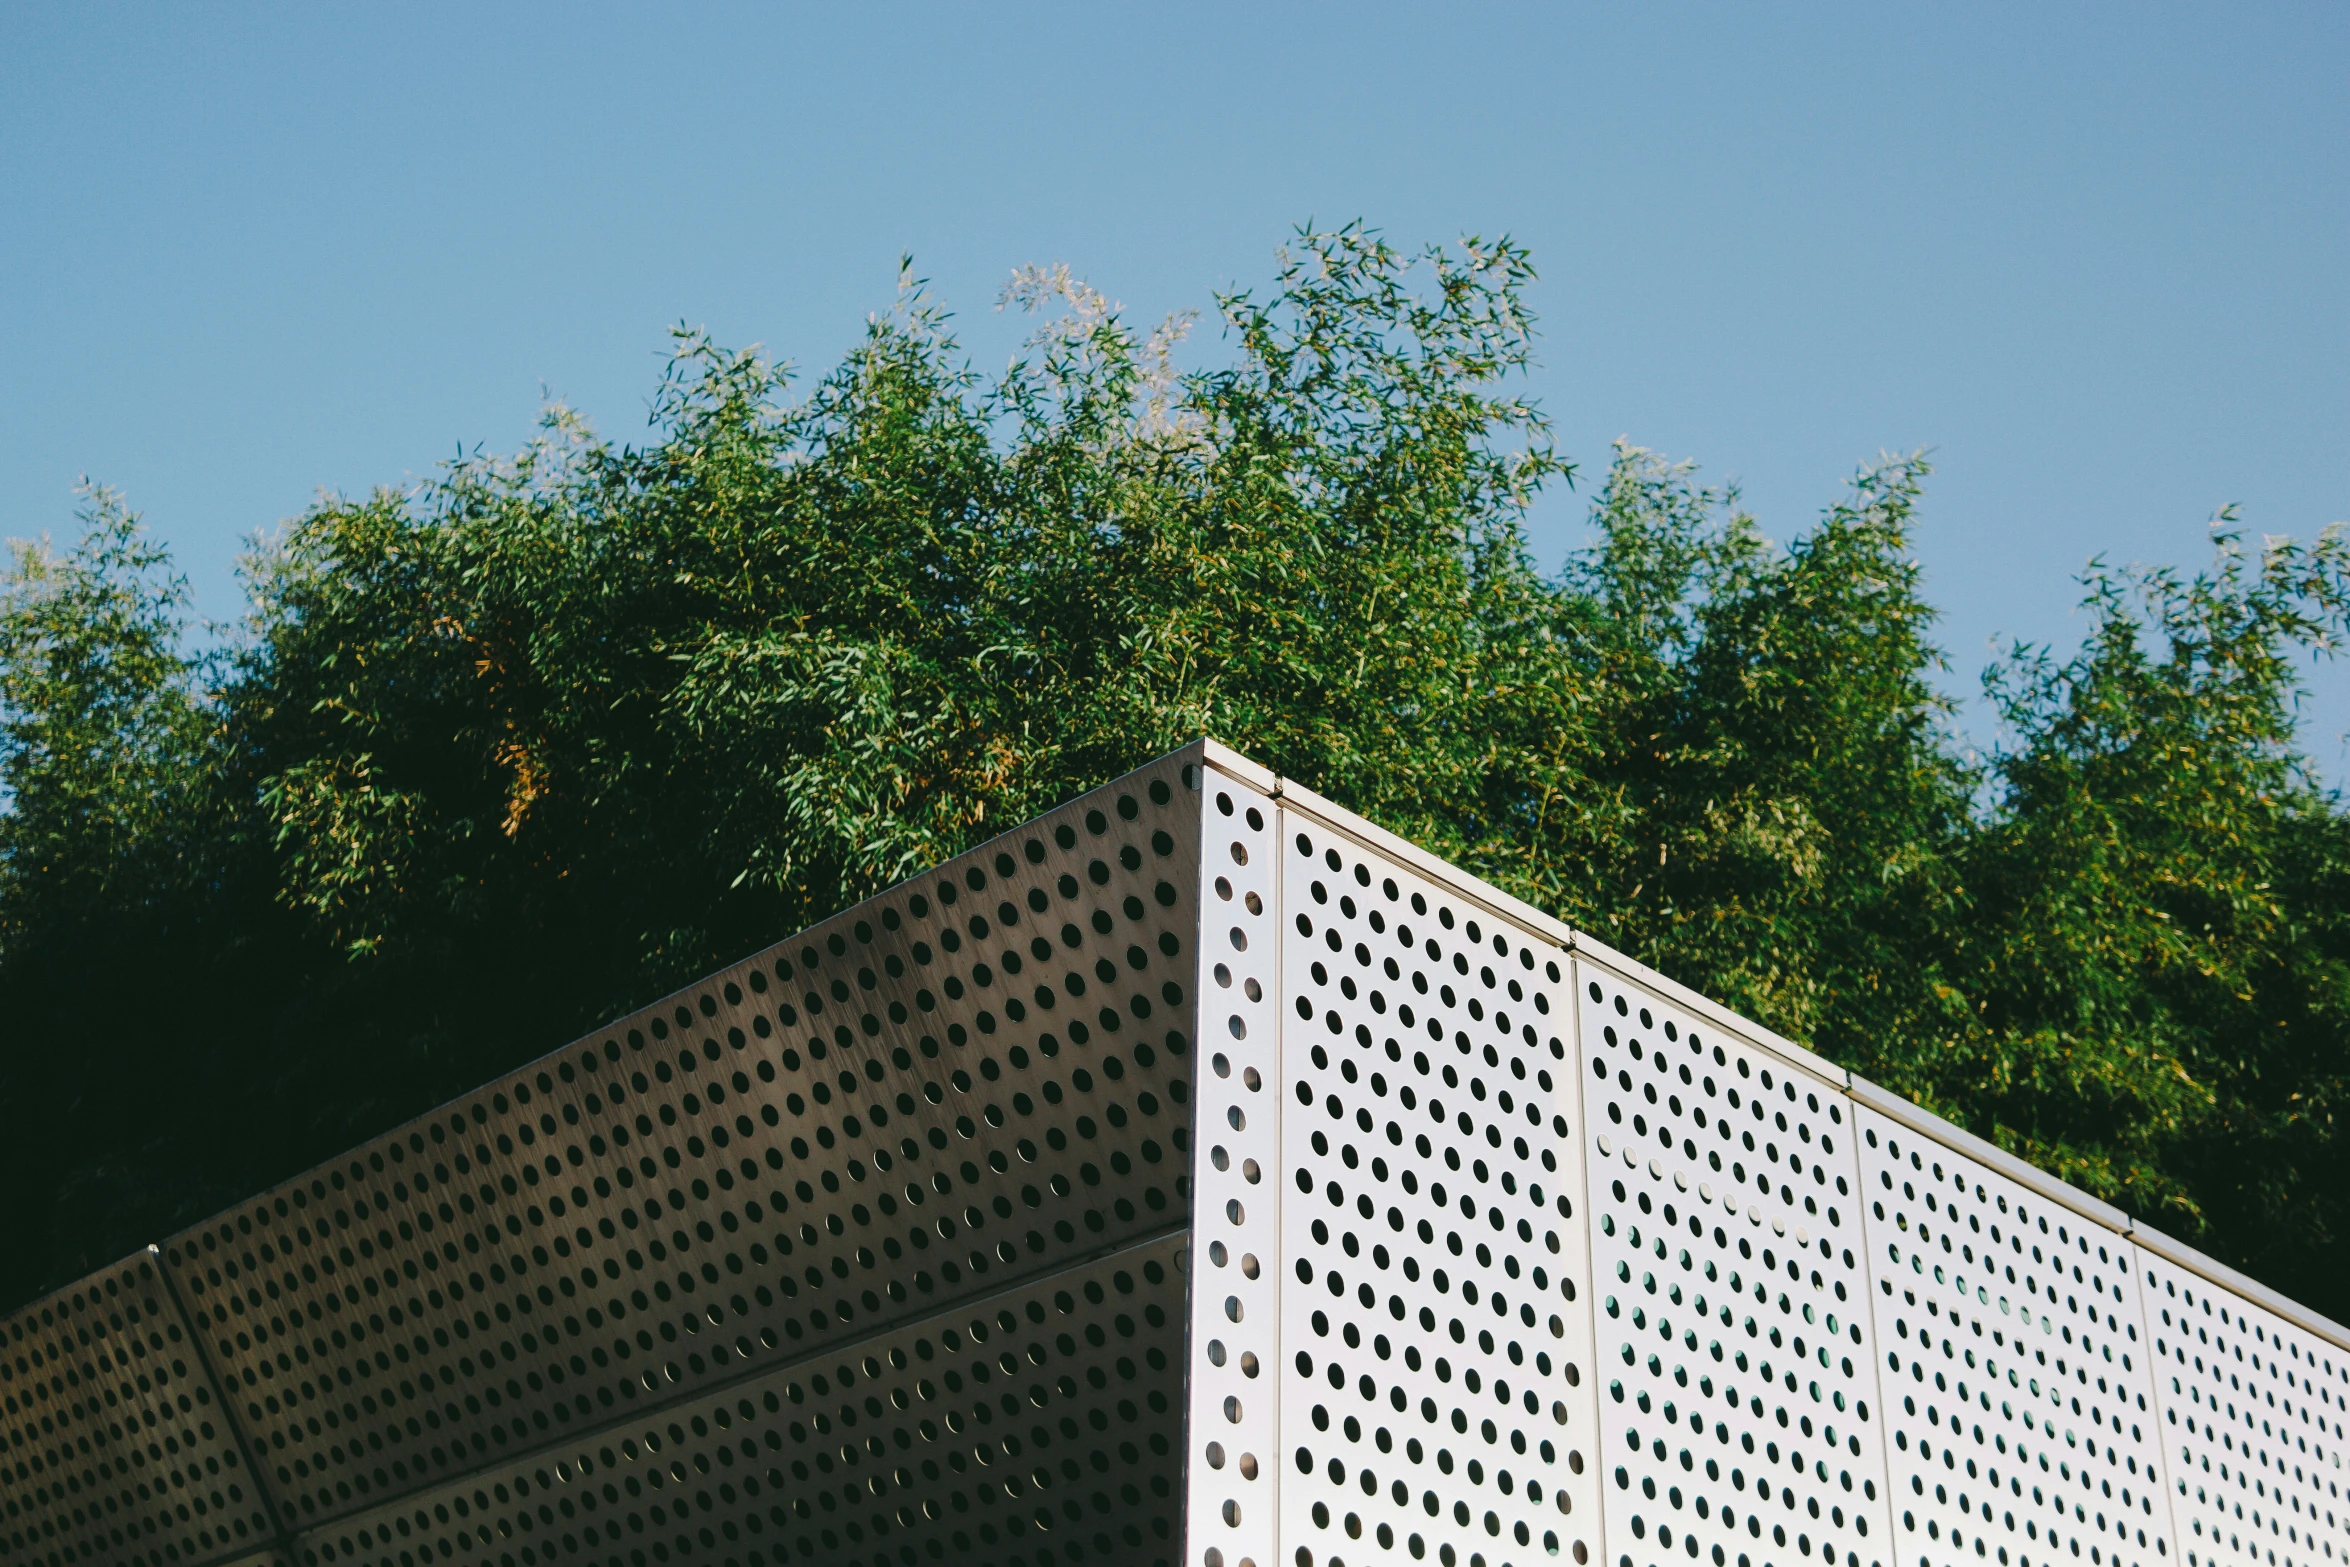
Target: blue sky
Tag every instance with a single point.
(2093, 256)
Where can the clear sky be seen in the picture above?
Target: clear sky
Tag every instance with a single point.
(2095, 257)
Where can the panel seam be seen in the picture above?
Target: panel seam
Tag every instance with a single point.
(1577, 1150)
(262, 1483)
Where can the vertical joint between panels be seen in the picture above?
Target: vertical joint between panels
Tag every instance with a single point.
(1277, 1460)
(2015, 1353)
(2241, 1394)
(1579, 1103)
(2171, 1517)
(249, 1445)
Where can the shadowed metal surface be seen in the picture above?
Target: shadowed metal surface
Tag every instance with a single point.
(979, 1075)
(1035, 1425)
(113, 1443)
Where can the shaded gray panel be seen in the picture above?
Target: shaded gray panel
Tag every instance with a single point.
(113, 1447)
(2253, 1413)
(1040, 1425)
(979, 1075)
(1741, 1411)
(1436, 1387)
(2016, 1373)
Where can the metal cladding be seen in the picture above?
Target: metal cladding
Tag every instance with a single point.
(1195, 1174)
(1741, 1411)
(979, 1075)
(115, 1444)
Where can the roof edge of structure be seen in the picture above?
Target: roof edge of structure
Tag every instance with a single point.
(1339, 819)
(2213, 1271)
(1860, 1090)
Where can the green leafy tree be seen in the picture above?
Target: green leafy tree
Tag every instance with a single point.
(507, 751)
(109, 752)
(1775, 806)
(2158, 986)
(103, 736)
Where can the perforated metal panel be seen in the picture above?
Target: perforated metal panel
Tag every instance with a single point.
(1037, 1426)
(980, 1075)
(1436, 1396)
(113, 1447)
(1233, 1458)
(1741, 1414)
(2252, 1412)
(2017, 1382)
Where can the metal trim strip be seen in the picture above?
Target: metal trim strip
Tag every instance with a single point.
(2215, 1272)
(1590, 946)
(1959, 1140)
(1379, 840)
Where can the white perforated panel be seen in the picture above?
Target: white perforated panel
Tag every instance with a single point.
(1436, 1395)
(1233, 1466)
(2016, 1379)
(2252, 1426)
(1192, 1174)
(1740, 1415)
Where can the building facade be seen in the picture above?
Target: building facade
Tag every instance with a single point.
(1196, 1173)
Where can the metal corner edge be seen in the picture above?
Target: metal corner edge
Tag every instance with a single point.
(1255, 774)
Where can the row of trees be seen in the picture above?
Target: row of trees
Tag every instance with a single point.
(514, 749)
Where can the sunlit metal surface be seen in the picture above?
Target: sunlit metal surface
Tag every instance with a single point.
(1742, 1417)
(1437, 1391)
(2252, 1411)
(2016, 1366)
(1234, 1454)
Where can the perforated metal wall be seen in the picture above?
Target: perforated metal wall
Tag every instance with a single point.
(2252, 1426)
(113, 1447)
(1741, 1417)
(1028, 1428)
(2016, 1366)
(982, 1074)
(883, 1247)
(1436, 1396)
